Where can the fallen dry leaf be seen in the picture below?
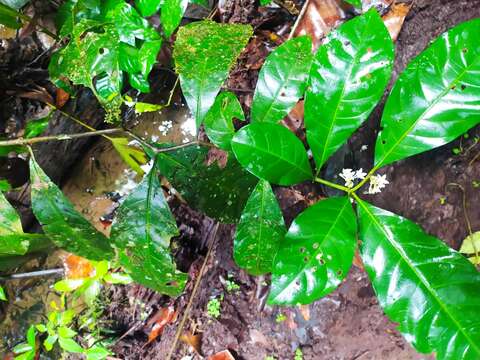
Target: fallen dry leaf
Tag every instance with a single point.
(194, 341)
(77, 267)
(305, 311)
(162, 318)
(222, 355)
(318, 18)
(395, 17)
(61, 97)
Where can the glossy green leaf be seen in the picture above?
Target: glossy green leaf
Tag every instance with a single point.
(259, 232)
(218, 121)
(148, 7)
(61, 222)
(220, 191)
(432, 291)
(118, 278)
(348, 77)
(273, 153)
(282, 80)
(13, 241)
(204, 53)
(98, 59)
(72, 12)
(69, 345)
(9, 17)
(316, 254)
(171, 15)
(36, 127)
(142, 231)
(14, 4)
(3, 296)
(356, 3)
(97, 352)
(436, 98)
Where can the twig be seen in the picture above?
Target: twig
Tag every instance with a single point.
(49, 272)
(192, 296)
(181, 146)
(61, 137)
(299, 18)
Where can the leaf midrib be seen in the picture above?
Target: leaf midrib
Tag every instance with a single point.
(420, 276)
(327, 235)
(420, 118)
(279, 157)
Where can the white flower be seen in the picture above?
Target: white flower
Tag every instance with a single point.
(377, 183)
(359, 174)
(349, 176)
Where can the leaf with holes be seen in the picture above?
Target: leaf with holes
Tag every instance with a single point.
(435, 99)
(316, 254)
(218, 121)
(13, 241)
(432, 291)
(142, 231)
(281, 81)
(207, 184)
(204, 53)
(273, 153)
(259, 232)
(61, 222)
(97, 59)
(347, 78)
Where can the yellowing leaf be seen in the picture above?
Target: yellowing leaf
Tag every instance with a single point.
(133, 156)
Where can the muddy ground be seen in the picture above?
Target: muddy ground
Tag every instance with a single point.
(348, 324)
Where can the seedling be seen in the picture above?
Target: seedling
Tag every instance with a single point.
(214, 307)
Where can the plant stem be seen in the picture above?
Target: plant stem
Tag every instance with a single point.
(49, 272)
(332, 185)
(57, 137)
(176, 147)
(361, 183)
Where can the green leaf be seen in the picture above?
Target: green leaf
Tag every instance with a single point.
(259, 232)
(204, 53)
(68, 285)
(127, 43)
(97, 352)
(356, 3)
(282, 80)
(50, 341)
(265, 2)
(14, 4)
(9, 17)
(90, 291)
(72, 12)
(65, 332)
(148, 7)
(3, 296)
(142, 231)
(432, 291)
(171, 15)
(61, 222)
(70, 345)
(22, 348)
(218, 121)
(13, 241)
(316, 254)
(436, 98)
(273, 153)
(42, 328)
(36, 127)
(5, 185)
(216, 190)
(118, 278)
(348, 77)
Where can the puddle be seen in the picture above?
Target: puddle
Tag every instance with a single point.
(98, 178)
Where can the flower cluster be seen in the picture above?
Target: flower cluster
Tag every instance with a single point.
(350, 176)
(377, 183)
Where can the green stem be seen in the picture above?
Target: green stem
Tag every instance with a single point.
(361, 183)
(332, 185)
(61, 137)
